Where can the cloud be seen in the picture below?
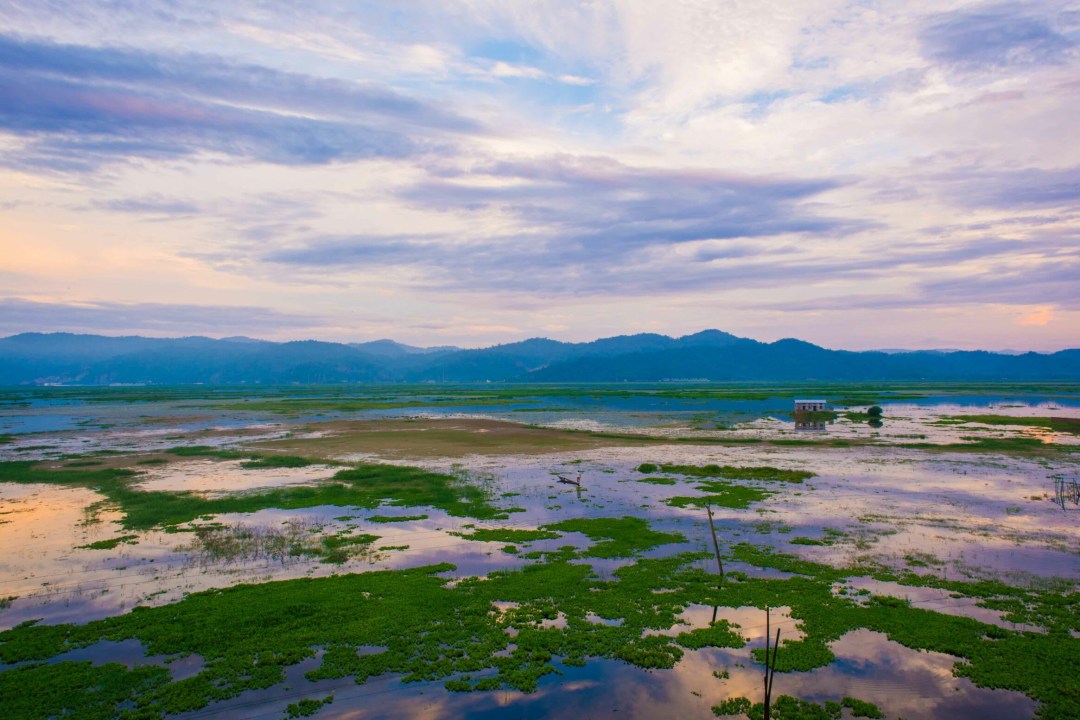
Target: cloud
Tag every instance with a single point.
(21, 315)
(1045, 283)
(992, 38)
(78, 107)
(583, 224)
(149, 205)
(1014, 189)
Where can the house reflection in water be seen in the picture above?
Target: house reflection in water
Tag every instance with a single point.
(810, 426)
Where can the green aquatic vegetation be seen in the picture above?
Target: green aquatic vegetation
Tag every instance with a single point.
(338, 549)
(659, 481)
(307, 707)
(248, 634)
(722, 494)
(206, 451)
(767, 527)
(1030, 662)
(366, 486)
(394, 518)
(279, 461)
(76, 689)
(111, 543)
(732, 472)
(5, 602)
(83, 463)
(859, 417)
(787, 707)
(861, 708)
(616, 537)
(312, 406)
(806, 541)
(1049, 423)
(428, 630)
(718, 634)
(505, 535)
(1020, 445)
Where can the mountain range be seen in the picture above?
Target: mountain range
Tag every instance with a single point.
(63, 358)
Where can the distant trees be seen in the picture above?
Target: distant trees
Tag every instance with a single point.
(875, 412)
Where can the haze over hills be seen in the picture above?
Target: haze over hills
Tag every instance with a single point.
(62, 358)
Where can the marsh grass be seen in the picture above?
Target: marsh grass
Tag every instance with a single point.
(730, 472)
(111, 543)
(1057, 424)
(719, 493)
(616, 537)
(505, 535)
(432, 630)
(396, 518)
(293, 539)
(366, 486)
(266, 462)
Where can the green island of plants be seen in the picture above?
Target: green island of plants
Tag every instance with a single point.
(396, 518)
(111, 543)
(616, 537)
(787, 707)
(730, 472)
(427, 629)
(505, 535)
(366, 486)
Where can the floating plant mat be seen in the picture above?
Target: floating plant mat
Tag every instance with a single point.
(557, 628)
(494, 632)
(362, 486)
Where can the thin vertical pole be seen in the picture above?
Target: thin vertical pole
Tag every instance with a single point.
(770, 663)
(715, 544)
(765, 680)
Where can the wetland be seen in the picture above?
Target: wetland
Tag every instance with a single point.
(539, 551)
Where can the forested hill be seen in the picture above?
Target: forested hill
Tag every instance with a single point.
(35, 358)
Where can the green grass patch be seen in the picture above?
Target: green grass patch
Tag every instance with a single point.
(1057, 424)
(806, 541)
(658, 481)
(366, 486)
(721, 494)
(338, 549)
(507, 535)
(787, 707)
(616, 537)
(207, 451)
(111, 543)
(307, 707)
(248, 635)
(396, 518)
(731, 472)
(1005, 445)
(278, 461)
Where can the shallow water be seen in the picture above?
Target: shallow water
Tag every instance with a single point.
(956, 515)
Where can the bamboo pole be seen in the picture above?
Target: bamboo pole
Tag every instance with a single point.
(715, 544)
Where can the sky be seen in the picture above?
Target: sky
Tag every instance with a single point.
(856, 174)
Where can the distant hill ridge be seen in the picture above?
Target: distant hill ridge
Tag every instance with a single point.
(65, 358)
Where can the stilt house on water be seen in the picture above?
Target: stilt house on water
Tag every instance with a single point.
(802, 406)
